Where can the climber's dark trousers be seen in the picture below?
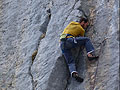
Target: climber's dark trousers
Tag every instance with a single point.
(67, 45)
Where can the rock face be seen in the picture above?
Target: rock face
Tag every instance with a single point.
(30, 56)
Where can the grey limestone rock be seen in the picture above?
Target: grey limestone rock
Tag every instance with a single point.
(30, 56)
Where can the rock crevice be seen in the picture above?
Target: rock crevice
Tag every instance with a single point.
(43, 29)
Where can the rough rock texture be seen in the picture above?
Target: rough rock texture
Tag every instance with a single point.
(30, 56)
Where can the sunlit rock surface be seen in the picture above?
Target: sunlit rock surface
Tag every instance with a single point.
(30, 56)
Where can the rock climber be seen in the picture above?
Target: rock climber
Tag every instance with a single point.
(72, 37)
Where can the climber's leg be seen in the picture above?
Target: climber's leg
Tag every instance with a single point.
(85, 41)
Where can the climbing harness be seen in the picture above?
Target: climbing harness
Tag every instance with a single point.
(75, 41)
(65, 36)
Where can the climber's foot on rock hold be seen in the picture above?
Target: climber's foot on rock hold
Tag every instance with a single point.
(77, 77)
(92, 57)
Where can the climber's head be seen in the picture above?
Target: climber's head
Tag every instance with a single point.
(84, 22)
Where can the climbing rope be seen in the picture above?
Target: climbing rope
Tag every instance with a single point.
(101, 45)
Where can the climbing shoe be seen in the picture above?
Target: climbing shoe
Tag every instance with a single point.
(77, 77)
(92, 57)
